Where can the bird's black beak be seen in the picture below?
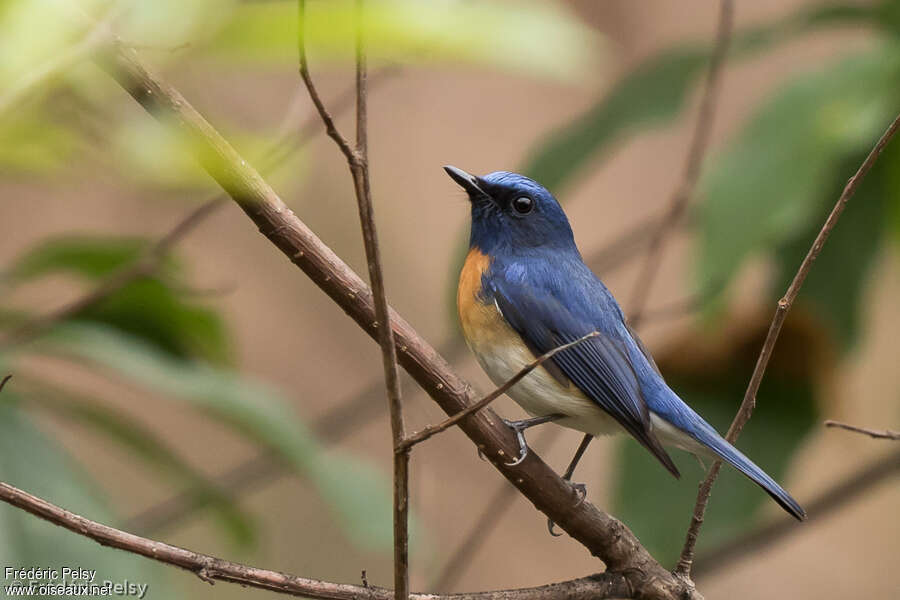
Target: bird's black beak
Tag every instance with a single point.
(465, 180)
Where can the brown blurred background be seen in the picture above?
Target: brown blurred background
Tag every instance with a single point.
(288, 333)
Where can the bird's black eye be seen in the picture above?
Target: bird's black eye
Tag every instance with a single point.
(523, 205)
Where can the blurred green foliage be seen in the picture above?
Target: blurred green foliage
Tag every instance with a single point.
(765, 194)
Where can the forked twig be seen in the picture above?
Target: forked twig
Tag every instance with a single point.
(358, 161)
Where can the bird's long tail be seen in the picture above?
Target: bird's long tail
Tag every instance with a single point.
(709, 437)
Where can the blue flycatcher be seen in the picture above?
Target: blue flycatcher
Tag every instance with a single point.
(525, 290)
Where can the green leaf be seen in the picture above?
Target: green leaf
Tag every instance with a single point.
(409, 31)
(155, 308)
(33, 462)
(154, 312)
(655, 92)
(87, 256)
(767, 187)
(656, 506)
(252, 409)
(147, 447)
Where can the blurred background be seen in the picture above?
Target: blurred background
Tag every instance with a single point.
(202, 391)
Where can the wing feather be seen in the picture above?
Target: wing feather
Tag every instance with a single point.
(599, 366)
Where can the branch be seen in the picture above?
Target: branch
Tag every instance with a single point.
(358, 161)
(784, 305)
(693, 162)
(330, 127)
(211, 569)
(4, 381)
(884, 434)
(341, 420)
(826, 503)
(603, 535)
(431, 430)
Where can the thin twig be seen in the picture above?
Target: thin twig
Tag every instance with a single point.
(602, 534)
(827, 502)
(427, 432)
(358, 161)
(693, 162)
(326, 117)
(210, 568)
(784, 305)
(3, 382)
(883, 434)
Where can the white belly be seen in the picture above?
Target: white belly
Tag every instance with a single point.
(540, 394)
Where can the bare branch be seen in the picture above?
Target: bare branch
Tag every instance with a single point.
(359, 170)
(431, 430)
(884, 434)
(4, 381)
(784, 305)
(326, 117)
(210, 568)
(599, 532)
(827, 502)
(693, 162)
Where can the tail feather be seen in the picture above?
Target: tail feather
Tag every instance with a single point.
(708, 436)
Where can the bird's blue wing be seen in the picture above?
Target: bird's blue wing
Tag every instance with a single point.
(598, 366)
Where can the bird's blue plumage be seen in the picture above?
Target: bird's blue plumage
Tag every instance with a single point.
(532, 272)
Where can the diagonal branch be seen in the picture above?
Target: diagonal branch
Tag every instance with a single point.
(600, 533)
(883, 434)
(4, 381)
(211, 569)
(421, 436)
(784, 305)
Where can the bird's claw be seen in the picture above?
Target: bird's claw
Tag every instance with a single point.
(551, 528)
(520, 436)
(481, 453)
(581, 491)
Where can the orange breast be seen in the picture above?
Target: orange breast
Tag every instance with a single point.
(481, 323)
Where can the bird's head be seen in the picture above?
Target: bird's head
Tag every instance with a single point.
(512, 212)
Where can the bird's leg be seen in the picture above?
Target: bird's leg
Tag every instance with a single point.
(570, 470)
(520, 426)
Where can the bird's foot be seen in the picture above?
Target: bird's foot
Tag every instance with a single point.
(519, 427)
(581, 491)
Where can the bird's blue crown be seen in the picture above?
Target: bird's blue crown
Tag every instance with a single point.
(512, 213)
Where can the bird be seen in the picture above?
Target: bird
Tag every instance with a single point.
(525, 290)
